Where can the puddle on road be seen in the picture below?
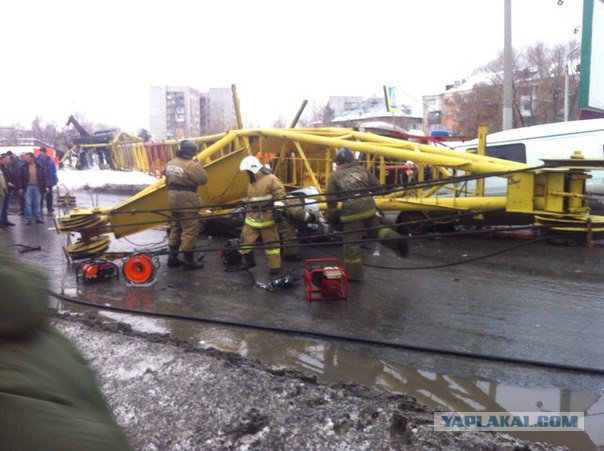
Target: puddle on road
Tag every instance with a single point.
(331, 362)
(374, 367)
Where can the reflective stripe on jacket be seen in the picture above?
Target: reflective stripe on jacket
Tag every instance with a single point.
(268, 188)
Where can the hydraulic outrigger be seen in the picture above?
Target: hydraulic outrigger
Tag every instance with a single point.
(551, 196)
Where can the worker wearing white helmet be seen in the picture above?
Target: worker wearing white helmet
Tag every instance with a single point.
(263, 190)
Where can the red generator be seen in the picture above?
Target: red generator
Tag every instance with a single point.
(325, 279)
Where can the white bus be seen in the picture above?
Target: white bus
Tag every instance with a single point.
(549, 141)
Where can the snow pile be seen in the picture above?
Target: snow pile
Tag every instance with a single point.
(103, 180)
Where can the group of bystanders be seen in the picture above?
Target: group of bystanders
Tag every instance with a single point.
(28, 180)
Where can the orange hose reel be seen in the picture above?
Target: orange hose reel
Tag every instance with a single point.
(140, 269)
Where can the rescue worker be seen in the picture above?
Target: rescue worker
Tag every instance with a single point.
(264, 188)
(293, 212)
(350, 184)
(183, 175)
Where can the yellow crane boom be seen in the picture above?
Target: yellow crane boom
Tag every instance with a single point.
(303, 157)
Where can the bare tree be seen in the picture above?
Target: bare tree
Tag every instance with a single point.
(481, 106)
(316, 116)
(44, 132)
(538, 87)
(12, 136)
(281, 122)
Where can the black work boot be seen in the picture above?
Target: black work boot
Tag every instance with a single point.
(173, 260)
(403, 248)
(274, 271)
(190, 262)
(248, 261)
(292, 257)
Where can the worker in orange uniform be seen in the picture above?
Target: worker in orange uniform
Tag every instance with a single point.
(263, 190)
(351, 184)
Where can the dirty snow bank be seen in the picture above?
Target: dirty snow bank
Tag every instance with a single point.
(168, 395)
(71, 180)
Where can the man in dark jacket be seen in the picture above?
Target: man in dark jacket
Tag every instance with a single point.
(10, 187)
(32, 181)
(351, 184)
(183, 175)
(51, 178)
(49, 397)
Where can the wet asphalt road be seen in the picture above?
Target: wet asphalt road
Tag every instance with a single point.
(539, 302)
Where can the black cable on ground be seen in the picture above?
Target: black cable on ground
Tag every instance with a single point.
(431, 236)
(260, 246)
(460, 262)
(269, 244)
(346, 338)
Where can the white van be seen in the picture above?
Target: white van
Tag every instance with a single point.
(549, 141)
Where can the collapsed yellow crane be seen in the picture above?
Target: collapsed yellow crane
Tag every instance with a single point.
(303, 157)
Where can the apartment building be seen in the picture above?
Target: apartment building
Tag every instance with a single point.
(217, 112)
(174, 112)
(177, 112)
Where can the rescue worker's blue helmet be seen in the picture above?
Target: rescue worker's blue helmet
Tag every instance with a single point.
(343, 156)
(187, 149)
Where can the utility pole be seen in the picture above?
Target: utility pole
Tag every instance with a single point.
(508, 112)
(567, 72)
(566, 69)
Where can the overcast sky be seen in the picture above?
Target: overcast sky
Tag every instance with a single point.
(98, 58)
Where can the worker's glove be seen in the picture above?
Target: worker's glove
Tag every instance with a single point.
(278, 213)
(277, 216)
(333, 219)
(238, 214)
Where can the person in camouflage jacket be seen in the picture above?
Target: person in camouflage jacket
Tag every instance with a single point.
(49, 397)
